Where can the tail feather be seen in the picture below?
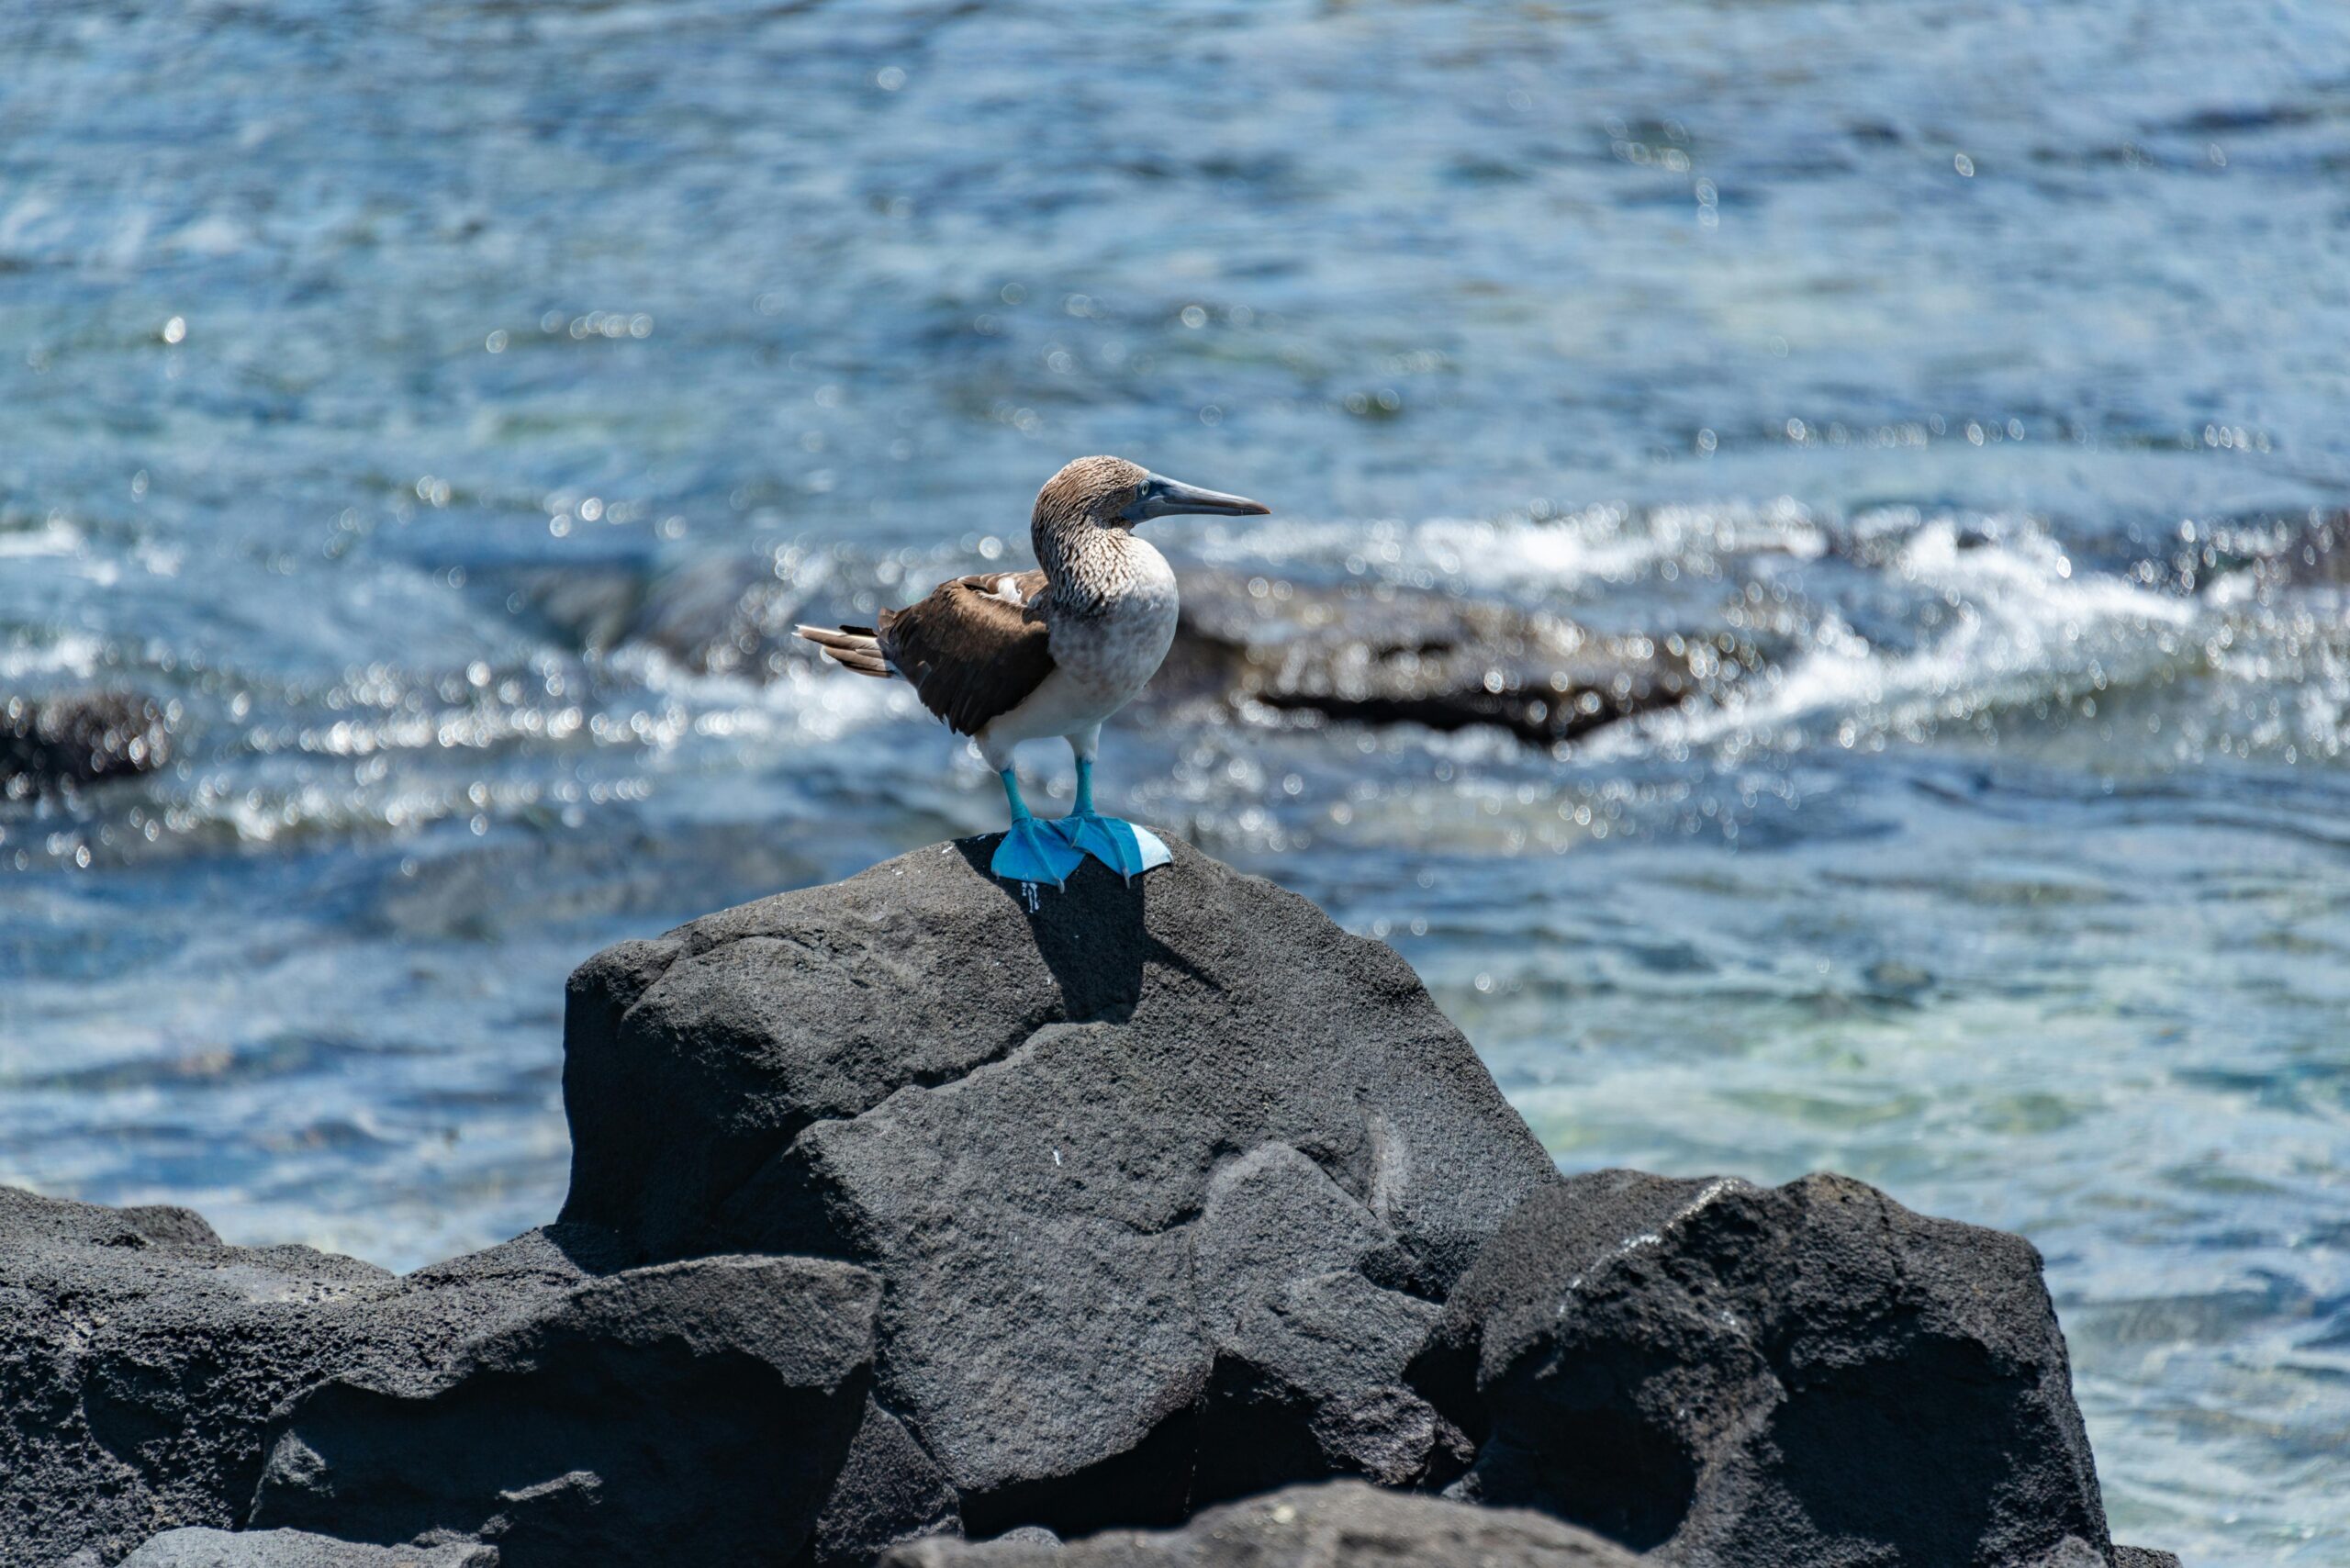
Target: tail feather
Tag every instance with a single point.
(851, 647)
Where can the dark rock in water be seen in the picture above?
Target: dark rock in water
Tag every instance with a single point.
(1163, 1180)
(143, 1358)
(715, 614)
(1335, 1525)
(1379, 655)
(1805, 1375)
(2144, 1557)
(1370, 652)
(2268, 560)
(692, 1412)
(47, 743)
(199, 1548)
(592, 606)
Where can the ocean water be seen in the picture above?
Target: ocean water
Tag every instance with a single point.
(365, 369)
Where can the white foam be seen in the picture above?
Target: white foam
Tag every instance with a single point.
(55, 536)
(1525, 556)
(2023, 622)
(804, 701)
(74, 655)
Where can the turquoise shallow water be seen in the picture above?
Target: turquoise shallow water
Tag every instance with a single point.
(1981, 364)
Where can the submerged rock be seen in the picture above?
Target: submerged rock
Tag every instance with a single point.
(49, 743)
(692, 1412)
(1810, 1374)
(143, 1358)
(1163, 1181)
(1335, 1525)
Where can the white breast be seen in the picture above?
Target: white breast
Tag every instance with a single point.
(1111, 655)
(1100, 661)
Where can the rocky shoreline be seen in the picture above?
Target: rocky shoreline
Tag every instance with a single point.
(916, 1221)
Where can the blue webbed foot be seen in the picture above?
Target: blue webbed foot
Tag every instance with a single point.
(1124, 848)
(1031, 853)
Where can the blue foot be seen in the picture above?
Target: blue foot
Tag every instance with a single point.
(1032, 853)
(1124, 848)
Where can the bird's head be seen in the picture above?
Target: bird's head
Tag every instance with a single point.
(1110, 492)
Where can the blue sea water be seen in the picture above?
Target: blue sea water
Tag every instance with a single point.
(1982, 363)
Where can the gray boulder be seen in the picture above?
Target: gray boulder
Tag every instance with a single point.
(141, 1359)
(691, 1412)
(1805, 1375)
(195, 1546)
(1163, 1181)
(1340, 1524)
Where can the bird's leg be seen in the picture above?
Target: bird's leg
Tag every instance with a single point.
(1120, 846)
(1029, 852)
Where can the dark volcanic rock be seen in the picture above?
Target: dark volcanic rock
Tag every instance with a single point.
(1805, 1375)
(889, 1490)
(140, 1358)
(79, 738)
(1162, 1180)
(1310, 1347)
(1381, 655)
(199, 1548)
(694, 1412)
(1341, 1524)
(973, 1207)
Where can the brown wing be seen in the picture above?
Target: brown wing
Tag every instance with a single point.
(974, 649)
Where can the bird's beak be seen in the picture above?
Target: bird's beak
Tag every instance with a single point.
(1165, 497)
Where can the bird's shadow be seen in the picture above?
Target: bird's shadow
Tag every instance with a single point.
(1094, 934)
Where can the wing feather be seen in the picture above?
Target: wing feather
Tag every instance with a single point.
(975, 648)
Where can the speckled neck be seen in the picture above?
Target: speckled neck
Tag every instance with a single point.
(1089, 566)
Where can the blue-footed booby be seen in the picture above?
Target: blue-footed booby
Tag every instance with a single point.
(1011, 656)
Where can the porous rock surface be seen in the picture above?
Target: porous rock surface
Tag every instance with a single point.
(691, 1412)
(141, 1359)
(196, 1547)
(1165, 1182)
(1339, 1523)
(1734, 1375)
